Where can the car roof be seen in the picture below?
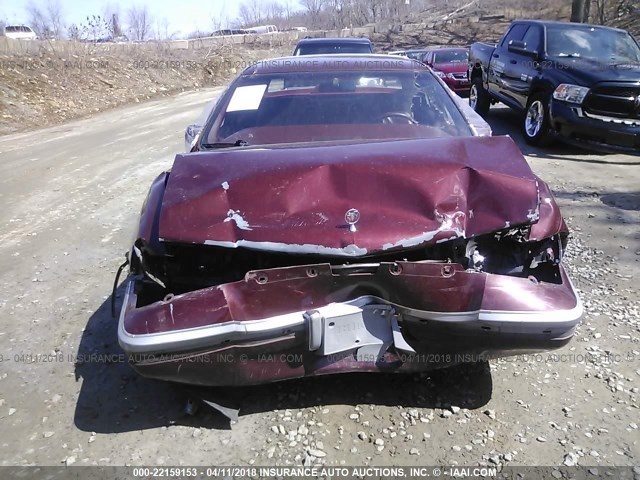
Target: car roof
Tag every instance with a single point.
(346, 62)
(567, 24)
(334, 40)
(441, 49)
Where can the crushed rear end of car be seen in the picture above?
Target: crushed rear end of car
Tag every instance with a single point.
(259, 265)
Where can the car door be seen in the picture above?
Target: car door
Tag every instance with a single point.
(522, 67)
(498, 72)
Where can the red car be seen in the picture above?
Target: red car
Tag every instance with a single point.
(341, 214)
(451, 64)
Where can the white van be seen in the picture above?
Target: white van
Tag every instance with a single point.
(20, 32)
(263, 29)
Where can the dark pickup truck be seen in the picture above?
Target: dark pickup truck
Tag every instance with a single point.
(573, 81)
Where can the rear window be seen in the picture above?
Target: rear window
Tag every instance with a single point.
(451, 56)
(331, 48)
(333, 106)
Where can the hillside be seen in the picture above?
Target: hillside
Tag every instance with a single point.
(50, 87)
(471, 22)
(66, 80)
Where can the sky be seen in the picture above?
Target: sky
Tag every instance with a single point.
(182, 15)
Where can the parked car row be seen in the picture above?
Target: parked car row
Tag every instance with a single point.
(574, 82)
(448, 63)
(255, 30)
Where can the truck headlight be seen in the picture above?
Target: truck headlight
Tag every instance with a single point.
(439, 73)
(570, 93)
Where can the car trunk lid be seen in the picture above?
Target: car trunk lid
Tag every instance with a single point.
(348, 200)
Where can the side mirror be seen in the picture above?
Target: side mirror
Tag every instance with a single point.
(520, 47)
(190, 135)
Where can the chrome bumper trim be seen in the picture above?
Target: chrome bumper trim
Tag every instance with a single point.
(561, 322)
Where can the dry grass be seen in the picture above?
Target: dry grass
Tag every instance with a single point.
(52, 87)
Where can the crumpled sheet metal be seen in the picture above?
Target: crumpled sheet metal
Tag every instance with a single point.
(408, 193)
(419, 286)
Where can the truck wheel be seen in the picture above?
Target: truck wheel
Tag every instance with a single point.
(535, 124)
(479, 97)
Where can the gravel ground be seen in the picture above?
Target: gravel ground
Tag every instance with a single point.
(70, 197)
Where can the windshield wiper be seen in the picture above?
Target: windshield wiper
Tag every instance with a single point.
(237, 143)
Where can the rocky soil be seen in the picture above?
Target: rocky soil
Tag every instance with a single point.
(50, 88)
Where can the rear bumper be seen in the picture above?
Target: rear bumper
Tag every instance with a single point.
(576, 126)
(423, 316)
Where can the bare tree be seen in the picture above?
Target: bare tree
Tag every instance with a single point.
(111, 13)
(251, 13)
(608, 11)
(38, 21)
(116, 28)
(54, 17)
(96, 28)
(288, 10)
(336, 14)
(48, 22)
(74, 32)
(139, 22)
(313, 8)
(221, 20)
(163, 32)
(580, 10)
(274, 10)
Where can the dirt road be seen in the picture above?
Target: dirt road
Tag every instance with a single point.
(70, 196)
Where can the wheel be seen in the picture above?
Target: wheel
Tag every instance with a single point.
(479, 98)
(535, 124)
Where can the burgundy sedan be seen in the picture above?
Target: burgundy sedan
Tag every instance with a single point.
(451, 64)
(341, 214)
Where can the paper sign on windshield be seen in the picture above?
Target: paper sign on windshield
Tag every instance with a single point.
(246, 98)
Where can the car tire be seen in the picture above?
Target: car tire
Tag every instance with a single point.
(479, 99)
(536, 125)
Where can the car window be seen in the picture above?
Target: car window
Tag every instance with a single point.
(415, 55)
(331, 106)
(533, 38)
(331, 48)
(593, 43)
(451, 56)
(515, 33)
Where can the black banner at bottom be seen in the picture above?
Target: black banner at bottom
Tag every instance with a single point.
(319, 472)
